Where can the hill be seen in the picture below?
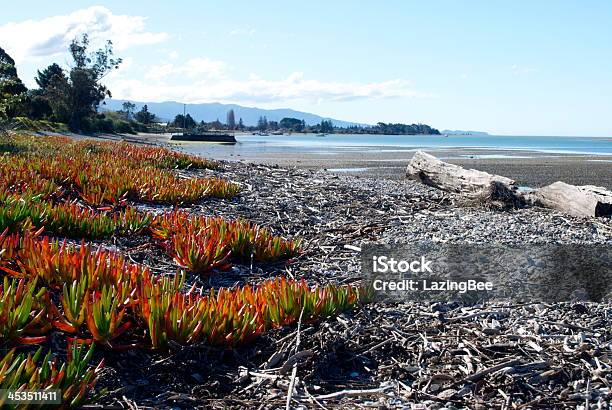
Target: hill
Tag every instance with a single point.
(208, 112)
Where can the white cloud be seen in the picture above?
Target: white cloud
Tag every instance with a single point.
(159, 72)
(258, 90)
(201, 68)
(33, 39)
(204, 67)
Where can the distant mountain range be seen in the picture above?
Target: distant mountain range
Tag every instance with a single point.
(460, 132)
(166, 111)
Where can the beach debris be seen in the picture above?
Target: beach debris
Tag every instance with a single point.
(395, 355)
(586, 200)
(471, 183)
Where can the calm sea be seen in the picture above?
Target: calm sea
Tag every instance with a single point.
(337, 143)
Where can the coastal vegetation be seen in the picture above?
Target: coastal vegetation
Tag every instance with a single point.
(71, 99)
(58, 288)
(65, 98)
(296, 125)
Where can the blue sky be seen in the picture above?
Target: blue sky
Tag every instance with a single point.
(514, 67)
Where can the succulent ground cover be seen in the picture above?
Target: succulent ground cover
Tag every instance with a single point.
(201, 243)
(57, 286)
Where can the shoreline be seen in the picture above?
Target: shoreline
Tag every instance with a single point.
(383, 346)
(529, 168)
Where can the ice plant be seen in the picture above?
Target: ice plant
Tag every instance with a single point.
(59, 263)
(70, 219)
(168, 313)
(14, 215)
(164, 158)
(200, 254)
(237, 316)
(74, 304)
(105, 312)
(195, 241)
(22, 311)
(75, 379)
(106, 172)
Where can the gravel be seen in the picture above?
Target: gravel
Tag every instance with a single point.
(383, 354)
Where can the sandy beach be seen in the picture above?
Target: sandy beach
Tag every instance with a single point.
(528, 168)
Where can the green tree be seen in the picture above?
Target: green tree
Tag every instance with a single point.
(144, 116)
(44, 78)
(58, 95)
(40, 105)
(292, 124)
(82, 92)
(326, 126)
(128, 109)
(186, 121)
(262, 124)
(12, 90)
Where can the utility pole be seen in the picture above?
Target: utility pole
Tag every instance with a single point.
(184, 118)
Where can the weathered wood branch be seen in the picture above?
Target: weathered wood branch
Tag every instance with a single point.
(471, 183)
(574, 200)
(586, 201)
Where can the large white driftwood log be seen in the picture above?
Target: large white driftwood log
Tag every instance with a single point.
(472, 183)
(586, 200)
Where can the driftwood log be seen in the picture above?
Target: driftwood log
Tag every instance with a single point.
(587, 200)
(471, 183)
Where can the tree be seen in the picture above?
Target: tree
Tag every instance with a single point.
(403, 129)
(190, 122)
(182, 121)
(58, 95)
(292, 124)
(144, 116)
(128, 108)
(262, 124)
(231, 120)
(12, 90)
(216, 125)
(83, 91)
(44, 78)
(40, 103)
(326, 126)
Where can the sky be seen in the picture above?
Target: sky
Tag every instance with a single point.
(506, 67)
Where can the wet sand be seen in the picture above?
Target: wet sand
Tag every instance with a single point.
(528, 168)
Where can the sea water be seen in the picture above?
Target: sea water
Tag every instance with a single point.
(333, 144)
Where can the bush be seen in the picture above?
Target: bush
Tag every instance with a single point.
(87, 125)
(123, 127)
(28, 124)
(104, 125)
